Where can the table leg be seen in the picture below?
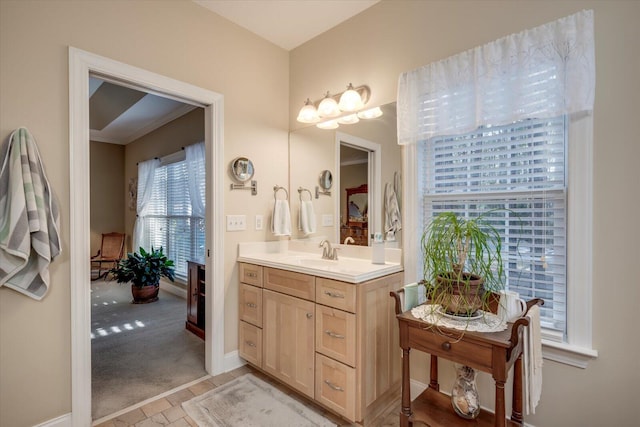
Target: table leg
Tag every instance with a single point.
(500, 411)
(516, 413)
(433, 381)
(406, 390)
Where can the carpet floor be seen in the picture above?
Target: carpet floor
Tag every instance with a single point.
(138, 351)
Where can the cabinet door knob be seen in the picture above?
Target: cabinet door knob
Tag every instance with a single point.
(251, 305)
(333, 294)
(249, 343)
(333, 386)
(333, 334)
(309, 315)
(446, 345)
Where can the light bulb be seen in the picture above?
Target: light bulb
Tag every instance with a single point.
(350, 100)
(348, 120)
(371, 113)
(308, 113)
(328, 107)
(329, 124)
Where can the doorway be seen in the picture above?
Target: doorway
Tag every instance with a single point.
(135, 347)
(357, 153)
(81, 64)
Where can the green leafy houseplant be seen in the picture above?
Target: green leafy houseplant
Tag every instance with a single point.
(144, 270)
(462, 262)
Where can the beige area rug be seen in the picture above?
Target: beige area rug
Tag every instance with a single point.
(248, 401)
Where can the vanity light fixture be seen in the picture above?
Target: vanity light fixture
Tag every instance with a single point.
(371, 113)
(350, 100)
(348, 110)
(329, 124)
(328, 107)
(348, 120)
(308, 113)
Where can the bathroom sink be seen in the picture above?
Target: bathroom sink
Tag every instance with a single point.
(312, 262)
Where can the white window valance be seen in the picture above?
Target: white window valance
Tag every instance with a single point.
(499, 83)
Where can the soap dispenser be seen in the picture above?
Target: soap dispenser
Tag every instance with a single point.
(377, 249)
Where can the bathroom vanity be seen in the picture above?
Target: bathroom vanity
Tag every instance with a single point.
(327, 329)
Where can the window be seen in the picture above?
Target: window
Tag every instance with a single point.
(517, 173)
(508, 125)
(169, 221)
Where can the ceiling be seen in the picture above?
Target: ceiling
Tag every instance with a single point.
(287, 23)
(120, 115)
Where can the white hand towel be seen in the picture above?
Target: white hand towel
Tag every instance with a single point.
(29, 219)
(281, 218)
(307, 218)
(532, 361)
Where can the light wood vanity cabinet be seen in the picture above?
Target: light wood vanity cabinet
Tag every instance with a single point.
(333, 341)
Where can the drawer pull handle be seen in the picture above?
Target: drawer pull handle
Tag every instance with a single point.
(333, 294)
(334, 335)
(249, 274)
(333, 386)
(251, 305)
(249, 343)
(446, 346)
(309, 315)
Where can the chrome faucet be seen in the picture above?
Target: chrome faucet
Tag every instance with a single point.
(328, 252)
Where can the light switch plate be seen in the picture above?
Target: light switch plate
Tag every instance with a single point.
(259, 222)
(236, 222)
(327, 220)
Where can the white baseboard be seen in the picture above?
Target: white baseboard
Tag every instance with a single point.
(61, 421)
(232, 361)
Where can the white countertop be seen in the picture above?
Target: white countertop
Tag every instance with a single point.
(305, 256)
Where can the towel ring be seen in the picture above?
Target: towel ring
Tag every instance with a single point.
(302, 190)
(277, 188)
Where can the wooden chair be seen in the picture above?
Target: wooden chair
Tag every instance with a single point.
(111, 251)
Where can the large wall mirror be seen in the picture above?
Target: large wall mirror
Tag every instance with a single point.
(350, 153)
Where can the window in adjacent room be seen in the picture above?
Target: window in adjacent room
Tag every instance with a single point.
(170, 218)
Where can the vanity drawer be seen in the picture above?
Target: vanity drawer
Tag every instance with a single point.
(250, 308)
(290, 283)
(336, 386)
(251, 274)
(336, 334)
(250, 345)
(336, 294)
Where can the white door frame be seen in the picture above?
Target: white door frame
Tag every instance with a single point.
(374, 183)
(82, 63)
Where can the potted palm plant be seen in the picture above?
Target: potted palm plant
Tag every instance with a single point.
(462, 263)
(144, 270)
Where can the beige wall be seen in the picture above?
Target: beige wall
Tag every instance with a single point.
(377, 45)
(107, 184)
(178, 39)
(181, 40)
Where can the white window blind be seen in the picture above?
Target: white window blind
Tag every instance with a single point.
(169, 222)
(515, 172)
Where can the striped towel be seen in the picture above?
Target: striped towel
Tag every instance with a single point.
(29, 219)
(392, 221)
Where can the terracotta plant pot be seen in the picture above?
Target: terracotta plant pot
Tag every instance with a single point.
(460, 298)
(145, 294)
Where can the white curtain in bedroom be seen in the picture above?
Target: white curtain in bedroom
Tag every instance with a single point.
(146, 174)
(194, 156)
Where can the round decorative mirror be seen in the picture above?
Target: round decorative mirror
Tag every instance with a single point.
(326, 179)
(241, 169)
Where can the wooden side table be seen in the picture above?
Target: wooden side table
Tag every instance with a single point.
(494, 352)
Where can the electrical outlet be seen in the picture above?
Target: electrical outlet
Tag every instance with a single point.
(236, 222)
(327, 220)
(259, 222)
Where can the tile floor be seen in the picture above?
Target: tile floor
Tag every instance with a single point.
(167, 411)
